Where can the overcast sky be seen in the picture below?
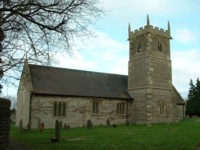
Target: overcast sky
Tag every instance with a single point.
(108, 50)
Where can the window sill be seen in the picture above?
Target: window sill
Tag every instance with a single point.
(96, 114)
(120, 114)
(59, 116)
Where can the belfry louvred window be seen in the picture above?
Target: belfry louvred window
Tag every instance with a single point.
(59, 109)
(139, 47)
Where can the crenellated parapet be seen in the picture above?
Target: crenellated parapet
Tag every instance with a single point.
(149, 29)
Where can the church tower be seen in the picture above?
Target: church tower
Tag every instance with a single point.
(150, 75)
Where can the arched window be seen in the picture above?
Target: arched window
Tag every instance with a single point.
(139, 48)
(162, 109)
(55, 109)
(59, 109)
(95, 107)
(159, 47)
(120, 108)
(64, 109)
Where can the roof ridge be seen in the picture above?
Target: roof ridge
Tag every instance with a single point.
(64, 81)
(78, 70)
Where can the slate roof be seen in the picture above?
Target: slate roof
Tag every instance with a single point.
(70, 82)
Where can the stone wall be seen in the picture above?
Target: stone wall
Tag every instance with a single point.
(150, 76)
(78, 111)
(4, 123)
(23, 105)
(180, 112)
(147, 103)
(23, 97)
(159, 97)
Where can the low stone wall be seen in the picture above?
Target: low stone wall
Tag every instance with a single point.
(4, 123)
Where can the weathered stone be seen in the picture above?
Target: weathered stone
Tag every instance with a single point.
(149, 84)
(4, 123)
(150, 76)
(89, 124)
(21, 126)
(78, 111)
(42, 127)
(57, 131)
(108, 122)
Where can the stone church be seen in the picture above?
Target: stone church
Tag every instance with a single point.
(145, 96)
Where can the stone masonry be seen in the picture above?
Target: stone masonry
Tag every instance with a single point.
(78, 111)
(150, 76)
(145, 96)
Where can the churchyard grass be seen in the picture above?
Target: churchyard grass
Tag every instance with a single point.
(184, 135)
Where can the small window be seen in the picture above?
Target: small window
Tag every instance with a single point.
(59, 109)
(159, 47)
(95, 107)
(139, 47)
(162, 109)
(55, 109)
(64, 109)
(120, 108)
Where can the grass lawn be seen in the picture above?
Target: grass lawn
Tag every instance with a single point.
(184, 135)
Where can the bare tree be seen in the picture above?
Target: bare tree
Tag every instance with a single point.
(36, 29)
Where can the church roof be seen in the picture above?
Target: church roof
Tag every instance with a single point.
(69, 82)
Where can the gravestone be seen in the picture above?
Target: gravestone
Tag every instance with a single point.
(21, 126)
(89, 124)
(4, 123)
(57, 131)
(127, 122)
(66, 126)
(108, 122)
(42, 127)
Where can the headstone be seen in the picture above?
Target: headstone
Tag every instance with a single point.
(66, 126)
(29, 126)
(21, 126)
(42, 127)
(114, 126)
(127, 122)
(108, 122)
(89, 124)
(57, 131)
